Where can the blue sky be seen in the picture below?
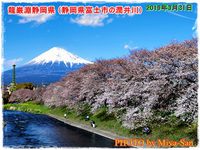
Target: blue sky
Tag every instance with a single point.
(92, 37)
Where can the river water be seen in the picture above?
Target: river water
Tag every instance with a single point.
(26, 130)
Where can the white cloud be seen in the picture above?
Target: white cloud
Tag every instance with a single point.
(131, 14)
(10, 21)
(109, 20)
(194, 29)
(39, 18)
(126, 46)
(182, 16)
(11, 62)
(91, 20)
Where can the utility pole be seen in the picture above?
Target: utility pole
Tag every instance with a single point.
(12, 86)
(13, 76)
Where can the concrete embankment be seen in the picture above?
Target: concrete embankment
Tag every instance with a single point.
(87, 128)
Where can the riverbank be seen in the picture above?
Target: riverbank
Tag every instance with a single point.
(108, 126)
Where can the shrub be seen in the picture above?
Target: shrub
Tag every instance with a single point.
(103, 114)
(27, 85)
(5, 97)
(192, 132)
(83, 109)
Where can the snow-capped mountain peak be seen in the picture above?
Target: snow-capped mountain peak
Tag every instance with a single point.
(58, 55)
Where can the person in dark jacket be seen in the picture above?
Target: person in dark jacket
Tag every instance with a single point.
(146, 130)
(93, 124)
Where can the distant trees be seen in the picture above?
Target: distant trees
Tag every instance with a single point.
(26, 85)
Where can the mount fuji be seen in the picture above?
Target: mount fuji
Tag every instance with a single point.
(47, 68)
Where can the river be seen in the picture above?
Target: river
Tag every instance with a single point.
(26, 130)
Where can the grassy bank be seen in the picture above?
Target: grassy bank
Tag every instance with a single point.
(110, 124)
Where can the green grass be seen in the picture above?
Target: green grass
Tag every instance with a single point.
(28, 107)
(107, 122)
(35, 108)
